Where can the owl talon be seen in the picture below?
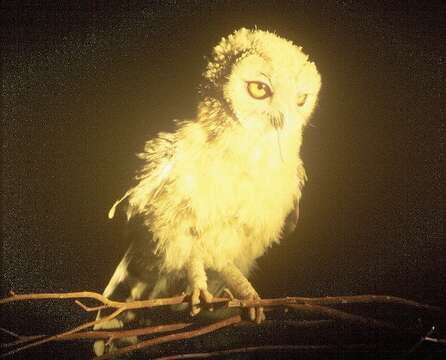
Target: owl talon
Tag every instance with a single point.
(207, 296)
(256, 313)
(228, 294)
(260, 315)
(204, 294)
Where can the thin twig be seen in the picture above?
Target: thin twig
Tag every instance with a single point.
(345, 316)
(72, 331)
(9, 332)
(173, 337)
(91, 308)
(22, 340)
(435, 340)
(101, 334)
(93, 295)
(419, 342)
(150, 330)
(370, 299)
(264, 348)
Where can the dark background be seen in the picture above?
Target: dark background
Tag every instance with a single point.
(85, 85)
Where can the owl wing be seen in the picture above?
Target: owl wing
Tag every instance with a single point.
(138, 273)
(138, 270)
(136, 277)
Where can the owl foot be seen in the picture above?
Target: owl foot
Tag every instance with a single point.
(101, 347)
(241, 286)
(195, 297)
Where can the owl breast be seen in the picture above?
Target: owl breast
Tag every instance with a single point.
(238, 193)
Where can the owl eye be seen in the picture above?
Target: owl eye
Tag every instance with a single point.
(301, 99)
(259, 90)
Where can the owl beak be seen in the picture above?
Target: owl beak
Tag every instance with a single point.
(277, 120)
(284, 116)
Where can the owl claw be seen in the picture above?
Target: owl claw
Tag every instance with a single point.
(256, 314)
(228, 294)
(197, 293)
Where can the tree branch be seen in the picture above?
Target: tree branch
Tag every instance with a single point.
(322, 307)
(174, 337)
(253, 349)
(181, 299)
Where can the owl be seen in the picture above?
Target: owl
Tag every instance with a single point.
(215, 194)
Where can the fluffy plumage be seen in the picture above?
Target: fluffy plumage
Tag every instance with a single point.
(216, 193)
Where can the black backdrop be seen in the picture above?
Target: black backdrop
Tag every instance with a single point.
(85, 85)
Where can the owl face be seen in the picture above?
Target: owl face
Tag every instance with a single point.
(266, 81)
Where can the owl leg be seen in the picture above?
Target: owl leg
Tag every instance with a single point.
(197, 279)
(241, 286)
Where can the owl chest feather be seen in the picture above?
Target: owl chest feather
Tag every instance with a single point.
(238, 192)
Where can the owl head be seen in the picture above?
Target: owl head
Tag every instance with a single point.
(261, 80)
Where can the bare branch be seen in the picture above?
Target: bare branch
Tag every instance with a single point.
(22, 340)
(345, 316)
(174, 337)
(315, 306)
(114, 334)
(180, 299)
(264, 348)
(91, 308)
(61, 335)
(13, 334)
(93, 295)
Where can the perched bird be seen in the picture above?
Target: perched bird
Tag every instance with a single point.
(216, 193)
